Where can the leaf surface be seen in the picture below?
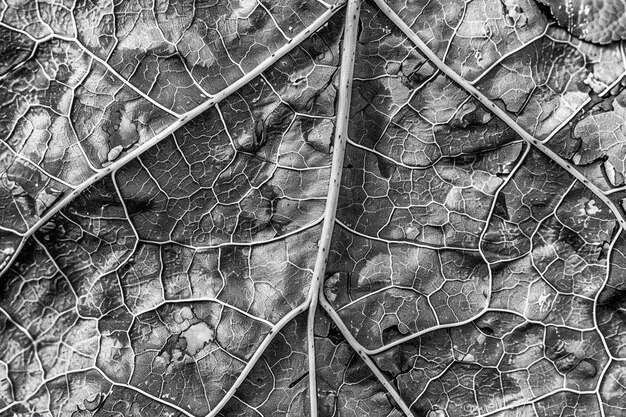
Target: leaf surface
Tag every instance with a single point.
(593, 21)
(288, 209)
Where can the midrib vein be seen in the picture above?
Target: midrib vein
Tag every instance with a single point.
(339, 148)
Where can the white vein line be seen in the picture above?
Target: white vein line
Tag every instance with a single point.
(96, 58)
(36, 166)
(616, 190)
(575, 113)
(208, 300)
(307, 303)
(229, 244)
(609, 255)
(154, 398)
(533, 401)
(29, 337)
(503, 115)
(282, 51)
(258, 353)
(330, 212)
(404, 242)
(509, 54)
(364, 355)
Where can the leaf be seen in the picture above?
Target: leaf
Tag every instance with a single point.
(303, 208)
(597, 22)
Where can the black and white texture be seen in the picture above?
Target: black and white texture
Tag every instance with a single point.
(312, 208)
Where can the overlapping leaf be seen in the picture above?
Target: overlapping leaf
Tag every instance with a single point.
(594, 21)
(168, 170)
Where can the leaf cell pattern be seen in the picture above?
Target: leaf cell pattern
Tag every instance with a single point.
(273, 208)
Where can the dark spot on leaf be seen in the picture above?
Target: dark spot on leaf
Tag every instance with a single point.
(414, 73)
(487, 330)
(392, 333)
(603, 252)
(386, 167)
(135, 206)
(297, 380)
(500, 208)
(95, 403)
(259, 133)
(335, 335)
(612, 298)
(583, 370)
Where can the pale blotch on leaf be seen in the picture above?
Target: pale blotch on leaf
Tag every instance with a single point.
(596, 85)
(591, 208)
(127, 130)
(183, 314)
(115, 153)
(515, 14)
(611, 175)
(197, 336)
